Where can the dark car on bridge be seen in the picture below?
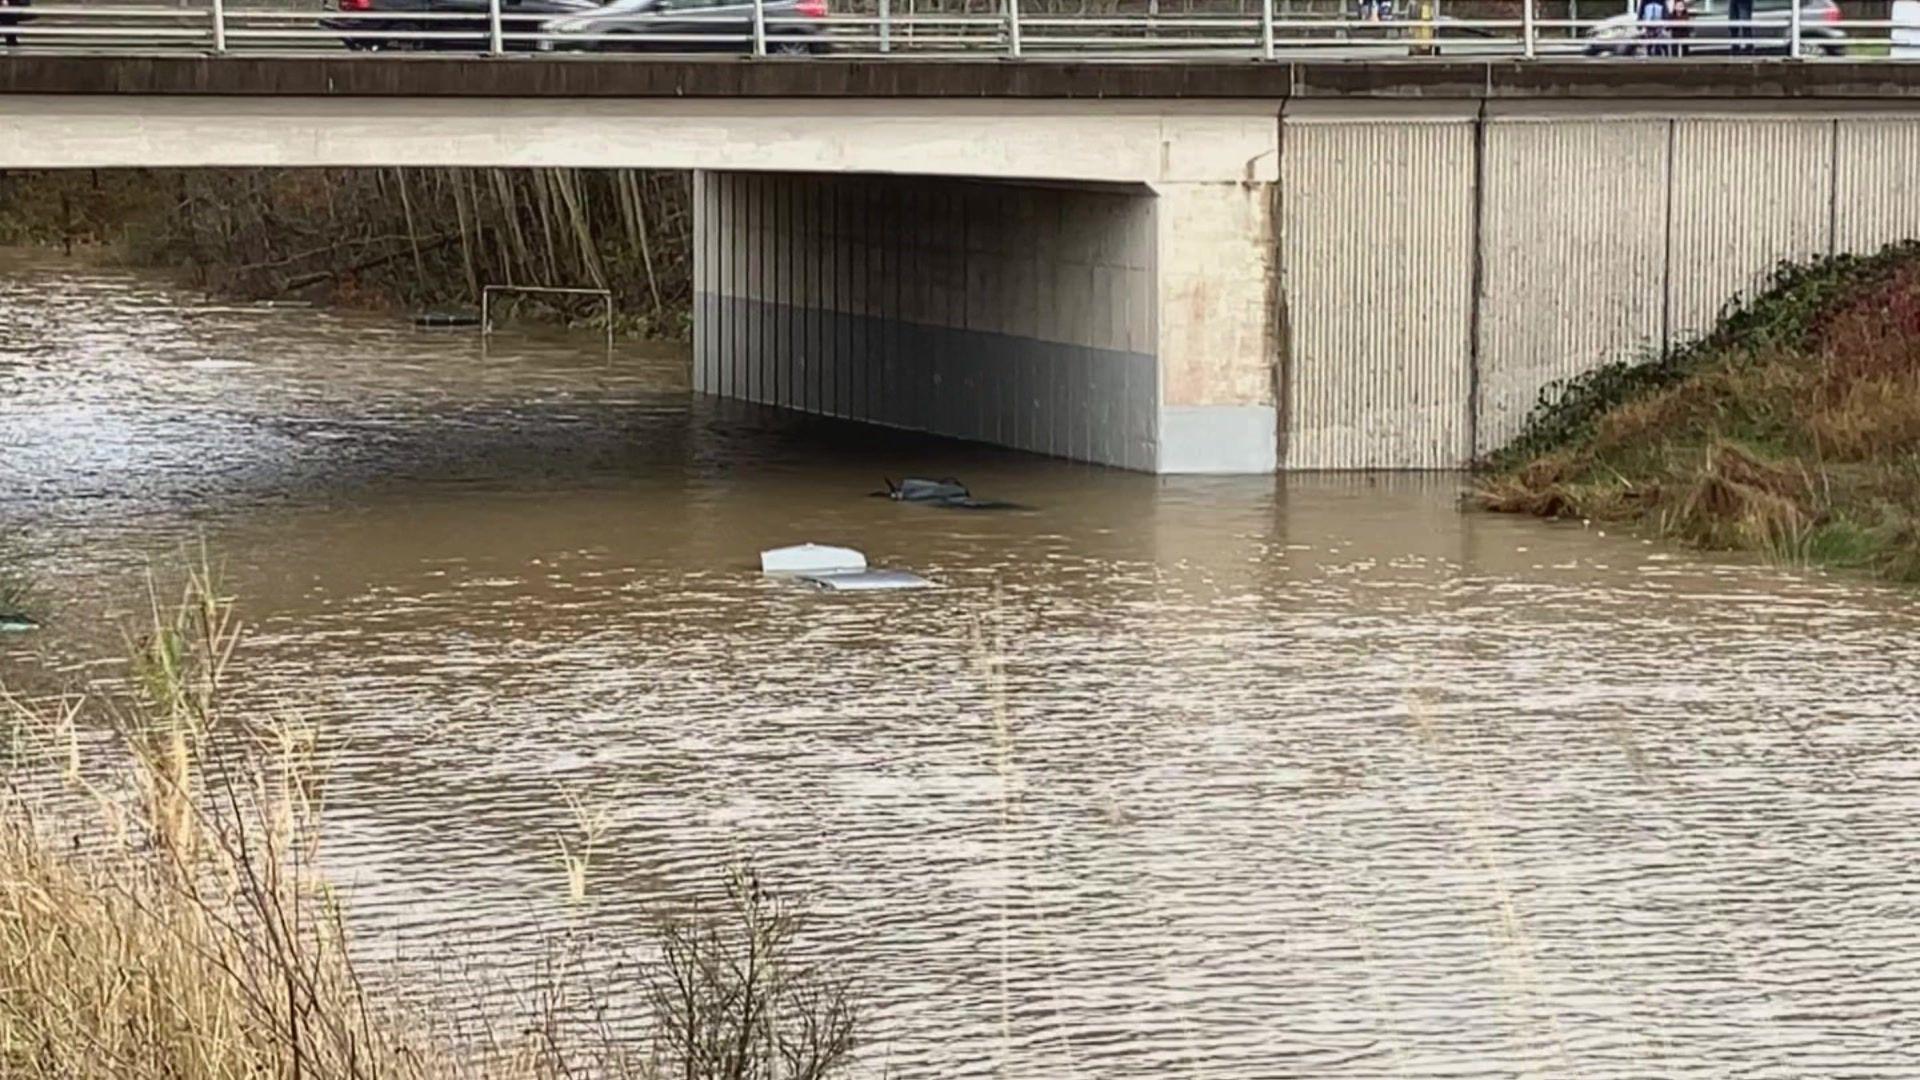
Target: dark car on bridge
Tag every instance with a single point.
(471, 33)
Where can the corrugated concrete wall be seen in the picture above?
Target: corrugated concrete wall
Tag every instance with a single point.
(1377, 244)
(1009, 314)
(1573, 242)
(1747, 192)
(1876, 182)
(1578, 240)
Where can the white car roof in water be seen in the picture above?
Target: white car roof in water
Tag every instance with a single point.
(811, 559)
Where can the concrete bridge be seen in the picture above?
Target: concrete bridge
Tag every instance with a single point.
(1174, 268)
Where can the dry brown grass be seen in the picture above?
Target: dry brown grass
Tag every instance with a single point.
(1731, 499)
(168, 919)
(1869, 418)
(165, 921)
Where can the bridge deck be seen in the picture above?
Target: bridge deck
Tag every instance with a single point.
(575, 77)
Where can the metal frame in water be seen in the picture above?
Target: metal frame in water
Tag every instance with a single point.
(486, 303)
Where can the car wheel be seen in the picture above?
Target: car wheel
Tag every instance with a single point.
(791, 48)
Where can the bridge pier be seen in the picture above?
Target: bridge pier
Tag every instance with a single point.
(1122, 324)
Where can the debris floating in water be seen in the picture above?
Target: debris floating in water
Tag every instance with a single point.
(835, 568)
(947, 492)
(914, 489)
(447, 318)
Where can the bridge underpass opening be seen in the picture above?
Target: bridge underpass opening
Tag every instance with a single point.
(1120, 324)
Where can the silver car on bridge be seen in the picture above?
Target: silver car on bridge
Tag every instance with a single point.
(792, 27)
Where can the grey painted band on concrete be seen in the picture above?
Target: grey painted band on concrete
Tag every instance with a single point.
(1219, 439)
(827, 77)
(1045, 397)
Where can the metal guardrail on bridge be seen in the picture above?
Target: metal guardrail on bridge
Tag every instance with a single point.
(1013, 29)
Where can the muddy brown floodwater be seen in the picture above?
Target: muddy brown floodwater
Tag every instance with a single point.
(1312, 777)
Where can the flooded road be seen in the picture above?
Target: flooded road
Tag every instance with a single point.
(1305, 778)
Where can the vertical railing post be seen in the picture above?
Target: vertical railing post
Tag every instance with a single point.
(1793, 29)
(496, 33)
(1013, 29)
(759, 27)
(886, 27)
(219, 26)
(1529, 34)
(1266, 29)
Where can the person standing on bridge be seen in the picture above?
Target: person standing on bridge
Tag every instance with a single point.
(1680, 13)
(1740, 24)
(1653, 30)
(6, 20)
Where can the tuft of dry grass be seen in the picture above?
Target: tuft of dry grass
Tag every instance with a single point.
(169, 919)
(1733, 500)
(1793, 430)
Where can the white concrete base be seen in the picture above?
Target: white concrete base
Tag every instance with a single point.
(1220, 439)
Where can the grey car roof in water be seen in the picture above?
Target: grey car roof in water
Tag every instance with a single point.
(836, 569)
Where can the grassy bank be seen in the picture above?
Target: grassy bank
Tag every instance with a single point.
(1792, 429)
(164, 915)
(401, 239)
